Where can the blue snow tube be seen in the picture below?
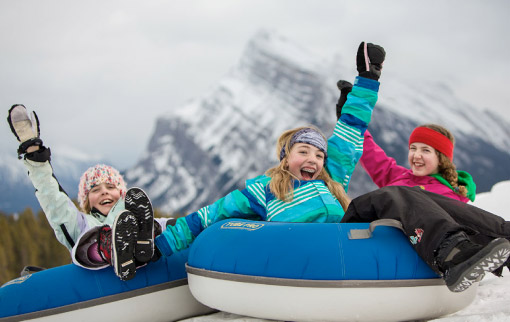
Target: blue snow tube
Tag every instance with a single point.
(309, 251)
(316, 272)
(69, 288)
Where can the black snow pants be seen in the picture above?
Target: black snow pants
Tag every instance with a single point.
(427, 218)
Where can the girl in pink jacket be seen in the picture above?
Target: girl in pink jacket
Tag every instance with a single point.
(460, 242)
(430, 158)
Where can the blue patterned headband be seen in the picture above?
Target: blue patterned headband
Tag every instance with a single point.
(308, 136)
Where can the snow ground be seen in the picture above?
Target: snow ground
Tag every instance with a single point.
(492, 302)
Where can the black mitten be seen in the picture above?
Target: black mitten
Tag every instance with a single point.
(369, 60)
(345, 88)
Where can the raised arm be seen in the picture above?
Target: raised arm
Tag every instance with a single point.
(65, 219)
(345, 146)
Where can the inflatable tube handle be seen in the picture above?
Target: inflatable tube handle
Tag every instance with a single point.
(367, 233)
(27, 270)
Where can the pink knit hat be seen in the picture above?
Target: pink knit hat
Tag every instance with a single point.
(96, 175)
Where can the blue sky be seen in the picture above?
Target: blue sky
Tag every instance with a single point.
(99, 72)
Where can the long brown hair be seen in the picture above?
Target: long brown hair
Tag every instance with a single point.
(447, 168)
(281, 184)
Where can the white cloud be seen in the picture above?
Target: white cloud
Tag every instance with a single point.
(99, 72)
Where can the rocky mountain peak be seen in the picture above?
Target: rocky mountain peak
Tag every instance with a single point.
(211, 145)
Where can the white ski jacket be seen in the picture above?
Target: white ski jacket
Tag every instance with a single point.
(67, 221)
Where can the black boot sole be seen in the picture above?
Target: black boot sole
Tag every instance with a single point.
(140, 205)
(124, 234)
(491, 257)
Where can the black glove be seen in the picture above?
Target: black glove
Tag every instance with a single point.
(369, 60)
(345, 88)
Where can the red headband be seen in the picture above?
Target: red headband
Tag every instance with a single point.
(433, 138)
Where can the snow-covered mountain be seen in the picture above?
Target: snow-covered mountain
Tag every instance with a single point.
(16, 190)
(209, 146)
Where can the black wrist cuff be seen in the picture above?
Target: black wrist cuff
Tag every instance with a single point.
(22, 149)
(41, 155)
(371, 75)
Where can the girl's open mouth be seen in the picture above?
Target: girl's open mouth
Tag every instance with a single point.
(106, 202)
(307, 174)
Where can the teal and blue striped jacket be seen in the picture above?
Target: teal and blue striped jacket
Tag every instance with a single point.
(312, 200)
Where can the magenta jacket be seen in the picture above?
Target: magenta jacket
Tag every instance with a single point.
(385, 171)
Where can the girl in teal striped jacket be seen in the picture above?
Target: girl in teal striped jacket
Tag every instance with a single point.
(310, 182)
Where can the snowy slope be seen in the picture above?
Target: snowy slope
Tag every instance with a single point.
(492, 303)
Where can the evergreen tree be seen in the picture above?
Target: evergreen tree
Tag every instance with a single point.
(6, 249)
(28, 239)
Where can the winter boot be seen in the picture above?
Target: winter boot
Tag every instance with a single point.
(499, 272)
(104, 243)
(345, 88)
(117, 245)
(140, 205)
(463, 262)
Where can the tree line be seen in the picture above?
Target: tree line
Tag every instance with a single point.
(26, 238)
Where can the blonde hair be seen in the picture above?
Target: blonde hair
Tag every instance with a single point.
(86, 205)
(281, 184)
(447, 168)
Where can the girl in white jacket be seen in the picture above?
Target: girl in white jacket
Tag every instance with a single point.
(104, 201)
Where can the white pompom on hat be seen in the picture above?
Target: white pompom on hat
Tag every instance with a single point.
(96, 175)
